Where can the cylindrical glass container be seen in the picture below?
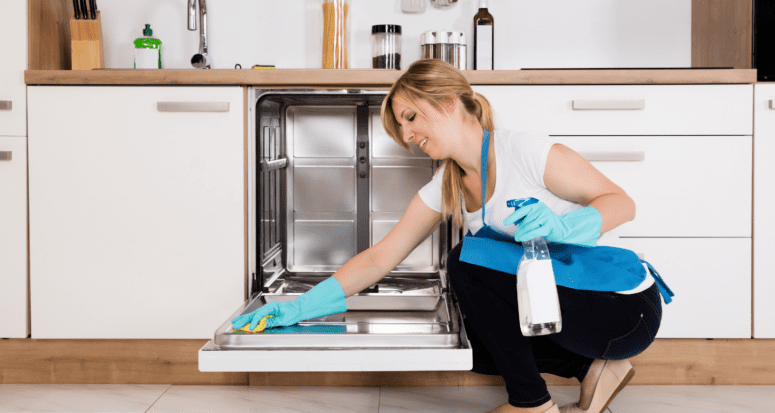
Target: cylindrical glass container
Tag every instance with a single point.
(428, 45)
(446, 45)
(457, 49)
(335, 34)
(386, 46)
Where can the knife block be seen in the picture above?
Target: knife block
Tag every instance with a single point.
(86, 44)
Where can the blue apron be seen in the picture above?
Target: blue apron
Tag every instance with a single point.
(598, 268)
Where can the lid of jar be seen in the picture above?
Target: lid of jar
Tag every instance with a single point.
(434, 37)
(443, 37)
(456, 37)
(386, 28)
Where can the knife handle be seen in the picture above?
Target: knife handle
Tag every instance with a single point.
(93, 5)
(77, 9)
(84, 9)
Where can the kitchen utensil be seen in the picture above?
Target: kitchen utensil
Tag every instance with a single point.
(93, 5)
(86, 47)
(84, 10)
(442, 3)
(77, 9)
(413, 6)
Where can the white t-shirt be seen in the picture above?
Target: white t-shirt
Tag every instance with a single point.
(520, 164)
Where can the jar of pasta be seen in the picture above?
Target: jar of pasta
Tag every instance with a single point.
(335, 34)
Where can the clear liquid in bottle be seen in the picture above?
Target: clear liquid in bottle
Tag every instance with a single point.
(538, 303)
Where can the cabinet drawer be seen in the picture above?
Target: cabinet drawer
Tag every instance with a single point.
(711, 279)
(13, 237)
(623, 109)
(13, 91)
(684, 186)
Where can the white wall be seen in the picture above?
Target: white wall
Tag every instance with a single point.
(529, 34)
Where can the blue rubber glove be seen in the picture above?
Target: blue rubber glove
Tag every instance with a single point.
(580, 227)
(323, 299)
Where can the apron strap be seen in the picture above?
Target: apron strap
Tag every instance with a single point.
(485, 152)
(663, 288)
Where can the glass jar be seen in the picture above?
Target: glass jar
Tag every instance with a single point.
(446, 45)
(457, 49)
(386, 46)
(335, 34)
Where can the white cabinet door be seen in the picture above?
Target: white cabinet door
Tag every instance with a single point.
(136, 210)
(13, 237)
(623, 109)
(711, 279)
(13, 91)
(764, 224)
(684, 153)
(682, 185)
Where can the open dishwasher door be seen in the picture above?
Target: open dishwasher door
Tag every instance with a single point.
(325, 183)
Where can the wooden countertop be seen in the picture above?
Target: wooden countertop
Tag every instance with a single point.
(381, 78)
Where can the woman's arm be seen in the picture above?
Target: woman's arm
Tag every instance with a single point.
(570, 176)
(370, 266)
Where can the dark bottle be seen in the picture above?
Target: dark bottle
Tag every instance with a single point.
(484, 38)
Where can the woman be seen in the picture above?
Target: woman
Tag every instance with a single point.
(433, 106)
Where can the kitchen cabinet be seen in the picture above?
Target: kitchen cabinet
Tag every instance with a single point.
(136, 210)
(13, 91)
(684, 154)
(13, 237)
(13, 171)
(764, 224)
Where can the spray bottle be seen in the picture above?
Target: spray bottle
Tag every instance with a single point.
(538, 303)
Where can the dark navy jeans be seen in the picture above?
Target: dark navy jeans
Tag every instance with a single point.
(595, 325)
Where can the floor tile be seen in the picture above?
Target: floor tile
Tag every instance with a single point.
(80, 398)
(458, 399)
(694, 399)
(237, 399)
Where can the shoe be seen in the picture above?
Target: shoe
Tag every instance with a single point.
(604, 380)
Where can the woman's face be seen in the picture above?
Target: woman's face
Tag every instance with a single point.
(429, 132)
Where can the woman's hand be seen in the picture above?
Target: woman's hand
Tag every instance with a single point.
(580, 227)
(324, 299)
(285, 314)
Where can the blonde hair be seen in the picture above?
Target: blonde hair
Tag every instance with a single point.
(434, 81)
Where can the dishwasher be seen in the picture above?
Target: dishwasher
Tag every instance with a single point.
(326, 182)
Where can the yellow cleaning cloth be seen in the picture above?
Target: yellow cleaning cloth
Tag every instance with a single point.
(259, 328)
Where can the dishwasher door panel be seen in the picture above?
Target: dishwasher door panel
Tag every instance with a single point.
(356, 340)
(404, 359)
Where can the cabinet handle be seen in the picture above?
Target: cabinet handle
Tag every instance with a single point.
(192, 106)
(6, 155)
(771, 104)
(6, 104)
(633, 156)
(609, 104)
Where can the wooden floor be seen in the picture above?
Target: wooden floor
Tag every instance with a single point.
(666, 361)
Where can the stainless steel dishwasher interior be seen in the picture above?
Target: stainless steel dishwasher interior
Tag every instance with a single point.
(330, 184)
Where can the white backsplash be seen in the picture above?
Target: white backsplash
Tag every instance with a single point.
(528, 34)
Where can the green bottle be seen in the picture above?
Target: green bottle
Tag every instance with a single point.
(147, 50)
